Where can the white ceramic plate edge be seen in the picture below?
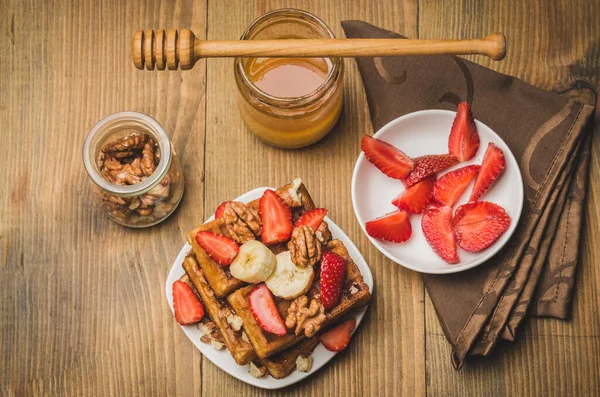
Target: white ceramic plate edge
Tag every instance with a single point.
(223, 359)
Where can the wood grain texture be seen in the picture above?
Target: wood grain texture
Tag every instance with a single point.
(82, 308)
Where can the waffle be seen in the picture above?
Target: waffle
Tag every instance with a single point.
(219, 278)
(218, 310)
(355, 294)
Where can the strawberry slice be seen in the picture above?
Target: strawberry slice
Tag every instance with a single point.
(188, 308)
(437, 228)
(276, 218)
(220, 248)
(333, 275)
(312, 218)
(463, 142)
(492, 166)
(429, 165)
(221, 209)
(451, 185)
(336, 339)
(265, 311)
(416, 198)
(477, 225)
(387, 158)
(394, 227)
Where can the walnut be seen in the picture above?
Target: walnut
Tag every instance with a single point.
(210, 332)
(304, 364)
(242, 222)
(304, 247)
(305, 318)
(235, 321)
(257, 371)
(148, 165)
(291, 196)
(133, 141)
(323, 234)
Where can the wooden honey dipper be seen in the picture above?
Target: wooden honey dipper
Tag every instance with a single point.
(170, 48)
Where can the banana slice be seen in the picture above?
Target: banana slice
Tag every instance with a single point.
(289, 281)
(253, 263)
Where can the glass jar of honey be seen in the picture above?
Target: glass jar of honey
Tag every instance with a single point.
(136, 174)
(289, 102)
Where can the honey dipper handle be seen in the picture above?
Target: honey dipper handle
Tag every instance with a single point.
(172, 47)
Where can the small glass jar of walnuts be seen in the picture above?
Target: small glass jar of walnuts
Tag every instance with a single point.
(136, 173)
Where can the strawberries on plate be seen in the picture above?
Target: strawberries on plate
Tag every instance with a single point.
(333, 275)
(463, 142)
(221, 209)
(437, 228)
(477, 225)
(188, 308)
(312, 218)
(387, 158)
(276, 217)
(264, 310)
(451, 185)
(416, 198)
(336, 339)
(492, 166)
(220, 248)
(429, 165)
(394, 227)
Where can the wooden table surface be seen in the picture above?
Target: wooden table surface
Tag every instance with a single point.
(82, 305)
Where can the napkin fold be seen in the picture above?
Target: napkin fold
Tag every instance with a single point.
(550, 137)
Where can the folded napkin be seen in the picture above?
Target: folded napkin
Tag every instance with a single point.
(550, 137)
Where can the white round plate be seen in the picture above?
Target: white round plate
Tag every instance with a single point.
(222, 358)
(418, 134)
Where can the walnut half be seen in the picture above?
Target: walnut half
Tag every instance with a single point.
(242, 222)
(308, 319)
(305, 248)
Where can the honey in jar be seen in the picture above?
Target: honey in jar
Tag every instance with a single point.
(289, 102)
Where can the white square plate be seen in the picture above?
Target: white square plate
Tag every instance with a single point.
(222, 358)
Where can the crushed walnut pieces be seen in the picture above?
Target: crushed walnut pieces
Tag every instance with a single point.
(323, 234)
(305, 317)
(257, 371)
(305, 248)
(129, 161)
(210, 331)
(242, 222)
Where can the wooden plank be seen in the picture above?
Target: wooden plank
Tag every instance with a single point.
(553, 46)
(386, 355)
(82, 307)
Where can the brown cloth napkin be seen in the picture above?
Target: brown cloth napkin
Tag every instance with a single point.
(550, 138)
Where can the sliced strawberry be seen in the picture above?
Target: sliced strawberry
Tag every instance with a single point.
(416, 198)
(264, 310)
(188, 308)
(451, 185)
(463, 142)
(477, 225)
(437, 228)
(429, 165)
(387, 158)
(312, 218)
(394, 227)
(221, 209)
(220, 248)
(492, 166)
(333, 275)
(276, 218)
(336, 339)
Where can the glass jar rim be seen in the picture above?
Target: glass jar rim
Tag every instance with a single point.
(336, 62)
(90, 154)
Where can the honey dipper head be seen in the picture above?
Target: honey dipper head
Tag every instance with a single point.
(168, 48)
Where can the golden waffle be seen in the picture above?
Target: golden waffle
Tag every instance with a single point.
(355, 294)
(219, 277)
(218, 310)
(284, 363)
